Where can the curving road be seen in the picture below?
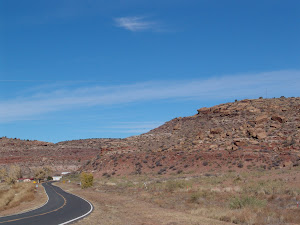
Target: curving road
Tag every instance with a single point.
(61, 208)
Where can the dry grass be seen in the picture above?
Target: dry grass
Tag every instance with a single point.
(253, 197)
(115, 209)
(12, 196)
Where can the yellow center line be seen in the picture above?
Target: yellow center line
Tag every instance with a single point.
(65, 202)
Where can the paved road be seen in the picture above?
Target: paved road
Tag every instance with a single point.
(61, 208)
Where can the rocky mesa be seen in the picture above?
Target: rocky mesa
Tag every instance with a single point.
(248, 134)
(258, 133)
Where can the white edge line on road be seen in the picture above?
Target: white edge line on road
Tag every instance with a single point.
(30, 209)
(77, 218)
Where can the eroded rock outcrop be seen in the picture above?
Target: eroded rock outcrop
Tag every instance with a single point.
(247, 134)
(254, 132)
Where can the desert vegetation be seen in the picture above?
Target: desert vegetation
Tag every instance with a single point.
(86, 180)
(43, 173)
(10, 174)
(14, 195)
(248, 197)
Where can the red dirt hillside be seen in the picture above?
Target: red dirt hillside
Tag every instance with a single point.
(31, 154)
(260, 133)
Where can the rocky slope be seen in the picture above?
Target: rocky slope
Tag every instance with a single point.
(32, 154)
(247, 134)
(260, 133)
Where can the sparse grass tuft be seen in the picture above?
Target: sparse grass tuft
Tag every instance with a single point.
(174, 185)
(246, 201)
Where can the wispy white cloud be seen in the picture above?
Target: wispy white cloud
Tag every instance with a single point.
(136, 23)
(232, 87)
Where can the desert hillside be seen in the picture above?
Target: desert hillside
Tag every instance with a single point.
(31, 154)
(259, 133)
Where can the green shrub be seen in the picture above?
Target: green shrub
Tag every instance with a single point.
(86, 180)
(194, 197)
(246, 201)
(202, 194)
(173, 185)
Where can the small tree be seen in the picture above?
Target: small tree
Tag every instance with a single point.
(39, 174)
(10, 180)
(86, 180)
(13, 174)
(42, 173)
(48, 171)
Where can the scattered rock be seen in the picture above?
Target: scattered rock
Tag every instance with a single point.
(213, 147)
(218, 130)
(240, 143)
(177, 127)
(261, 135)
(203, 110)
(275, 125)
(280, 119)
(261, 119)
(252, 109)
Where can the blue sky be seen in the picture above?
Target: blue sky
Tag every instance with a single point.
(73, 69)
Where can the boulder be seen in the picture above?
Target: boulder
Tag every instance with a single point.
(252, 109)
(229, 133)
(251, 132)
(246, 101)
(275, 125)
(217, 130)
(203, 110)
(261, 135)
(213, 147)
(231, 148)
(261, 119)
(257, 133)
(177, 127)
(288, 164)
(240, 143)
(210, 136)
(278, 118)
(200, 135)
(226, 112)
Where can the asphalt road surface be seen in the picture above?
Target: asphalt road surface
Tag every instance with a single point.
(61, 208)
